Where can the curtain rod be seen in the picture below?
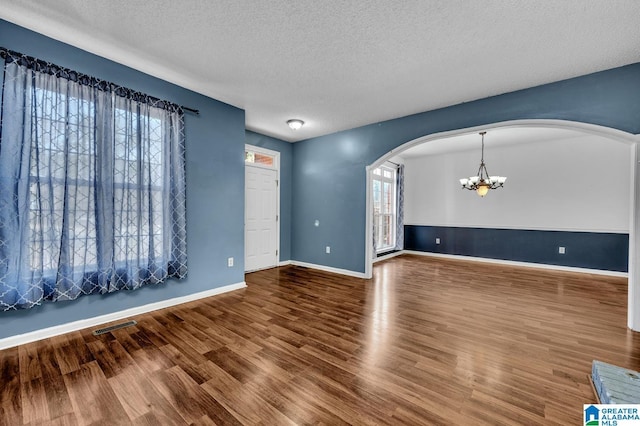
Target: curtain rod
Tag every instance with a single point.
(195, 111)
(51, 68)
(395, 164)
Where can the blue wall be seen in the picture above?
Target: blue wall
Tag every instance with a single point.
(329, 171)
(286, 169)
(215, 188)
(594, 250)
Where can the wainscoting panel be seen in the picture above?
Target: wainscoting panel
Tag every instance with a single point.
(592, 250)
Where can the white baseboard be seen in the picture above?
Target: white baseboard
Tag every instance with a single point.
(32, 336)
(329, 269)
(387, 256)
(523, 264)
(285, 263)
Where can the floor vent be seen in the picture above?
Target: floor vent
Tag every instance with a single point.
(113, 327)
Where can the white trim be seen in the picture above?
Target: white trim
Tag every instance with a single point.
(329, 269)
(276, 167)
(285, 263)
(394, 215)
(45, 333)
(388, 256)
(523, 264)
(368, 223)
(633, 291)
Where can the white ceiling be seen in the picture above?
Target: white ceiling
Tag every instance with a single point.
(341, 64)
(494, 138)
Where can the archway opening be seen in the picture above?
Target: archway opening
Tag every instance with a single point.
(561, 181)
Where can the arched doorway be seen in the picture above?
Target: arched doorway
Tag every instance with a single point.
(587, 129)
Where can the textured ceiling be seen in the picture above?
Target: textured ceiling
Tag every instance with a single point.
(341, 64)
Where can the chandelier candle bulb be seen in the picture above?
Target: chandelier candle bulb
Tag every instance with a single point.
(482, 183)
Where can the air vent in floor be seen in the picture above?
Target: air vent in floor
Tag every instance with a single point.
(113, 327)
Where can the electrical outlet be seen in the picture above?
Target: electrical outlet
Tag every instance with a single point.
(561, 250)
(327, 250)
(437, 240)
(230, 262)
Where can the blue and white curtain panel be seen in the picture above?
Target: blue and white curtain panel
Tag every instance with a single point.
(92, 186)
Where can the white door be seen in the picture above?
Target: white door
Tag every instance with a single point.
(261, 224)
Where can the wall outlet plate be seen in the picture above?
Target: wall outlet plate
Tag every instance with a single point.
(327, 250)
(230, 262)
(561, 250)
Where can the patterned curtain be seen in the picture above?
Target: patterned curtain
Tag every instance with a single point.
(374, 217)
(374, 220)
(92, 186)
(400, 207)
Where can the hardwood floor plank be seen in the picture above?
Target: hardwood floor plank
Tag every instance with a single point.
(426, 341)
(66, 359)
(151, 359)
(48, 362)
(413, 416)
(187, 364)
(124, 337)
(147, 334)
(111, 356)
(188, 398)
(232, 363)
(35, 408)
(65, 420)
(29, 362)
(204, 421)
(161, 412)
(91, 396)
(329, 398)
(239, 400)
(11, 406)
(58, 399)
(129, 387)
(301, 409)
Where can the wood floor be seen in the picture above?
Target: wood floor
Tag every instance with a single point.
(427, 341)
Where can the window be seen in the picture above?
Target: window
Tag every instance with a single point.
(54, 151)
(384, 208)
(259, 158)
(92, 186)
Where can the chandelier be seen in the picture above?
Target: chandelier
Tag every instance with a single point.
(482, 182)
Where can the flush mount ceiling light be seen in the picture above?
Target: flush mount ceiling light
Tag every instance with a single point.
(295, 124)
(482, 182)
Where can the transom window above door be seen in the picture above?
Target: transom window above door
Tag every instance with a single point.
(259, 158)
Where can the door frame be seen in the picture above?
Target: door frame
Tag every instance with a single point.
(276, 167)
